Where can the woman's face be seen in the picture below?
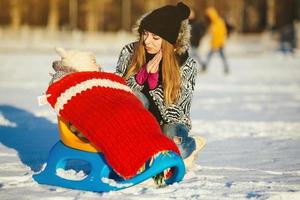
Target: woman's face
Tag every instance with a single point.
(152, 42)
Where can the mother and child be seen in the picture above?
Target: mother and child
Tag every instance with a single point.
(158, 69)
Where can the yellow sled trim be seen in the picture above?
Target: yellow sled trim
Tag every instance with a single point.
(71, 140)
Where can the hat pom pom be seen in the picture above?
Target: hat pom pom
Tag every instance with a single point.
(183, 10)
(61, 52)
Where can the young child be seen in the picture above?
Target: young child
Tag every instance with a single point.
(73, 61)
(103, 110)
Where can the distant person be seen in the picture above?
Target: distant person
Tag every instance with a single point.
(198, 29)
(218, 32)
(287, 38)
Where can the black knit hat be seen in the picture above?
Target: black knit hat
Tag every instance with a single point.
(165, 21)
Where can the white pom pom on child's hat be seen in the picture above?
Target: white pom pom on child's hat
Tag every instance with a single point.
(78, 60)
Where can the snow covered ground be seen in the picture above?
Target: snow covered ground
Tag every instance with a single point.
(250, 120)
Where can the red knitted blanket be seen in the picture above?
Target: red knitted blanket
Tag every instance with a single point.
(105, 110)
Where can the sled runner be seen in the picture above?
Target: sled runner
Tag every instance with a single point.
(101, 177)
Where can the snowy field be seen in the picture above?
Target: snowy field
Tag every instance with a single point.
(249, 118)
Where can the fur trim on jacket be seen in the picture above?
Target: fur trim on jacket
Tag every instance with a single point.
(183, 41)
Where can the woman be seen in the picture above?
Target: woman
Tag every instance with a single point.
(159, 70)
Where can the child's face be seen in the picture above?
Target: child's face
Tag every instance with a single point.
(152, 42)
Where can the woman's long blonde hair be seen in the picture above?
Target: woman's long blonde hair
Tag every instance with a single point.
(170, 69)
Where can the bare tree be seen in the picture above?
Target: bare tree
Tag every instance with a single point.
(90, 9)
(53, 15)
(271, 13)
(15, 14)
(73, 14)
(126, 14)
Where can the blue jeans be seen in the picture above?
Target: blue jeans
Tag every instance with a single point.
(176, 132)
(179, 134)
(223, 57)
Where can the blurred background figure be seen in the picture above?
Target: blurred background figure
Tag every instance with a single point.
(198, 29)
(284, 23)
(218, 33)
(287, 38)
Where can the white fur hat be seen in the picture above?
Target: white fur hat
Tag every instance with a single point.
(78, 60)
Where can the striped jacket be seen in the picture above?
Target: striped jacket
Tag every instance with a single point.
(174, 113)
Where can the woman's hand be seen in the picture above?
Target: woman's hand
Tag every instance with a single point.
(153, 64)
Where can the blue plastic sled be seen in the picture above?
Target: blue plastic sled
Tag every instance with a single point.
(60, 154)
